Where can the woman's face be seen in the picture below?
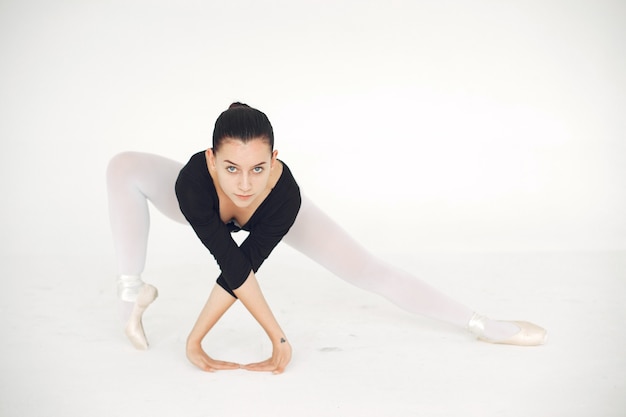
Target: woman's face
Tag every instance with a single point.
(243, 169)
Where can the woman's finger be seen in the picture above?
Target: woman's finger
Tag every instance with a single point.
(269, 365)
(222, 365)
(264, 366)
(204, 365)
(282, 364)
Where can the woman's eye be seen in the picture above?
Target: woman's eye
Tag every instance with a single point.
(231, 169)
(257, 170)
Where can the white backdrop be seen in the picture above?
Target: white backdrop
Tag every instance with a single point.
(438, 125)
(485, 125)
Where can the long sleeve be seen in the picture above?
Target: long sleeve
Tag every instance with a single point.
(201, 210)
(199, 203)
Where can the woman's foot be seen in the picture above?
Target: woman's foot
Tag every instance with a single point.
(519, 333)
(134, 326)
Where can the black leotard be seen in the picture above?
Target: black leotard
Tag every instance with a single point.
(199, 203)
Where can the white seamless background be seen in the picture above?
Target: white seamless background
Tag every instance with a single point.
(460, 126)
(478, 144)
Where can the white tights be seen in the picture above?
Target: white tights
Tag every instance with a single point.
(134, 178)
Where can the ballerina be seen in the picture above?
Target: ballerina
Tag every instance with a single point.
(239, 183)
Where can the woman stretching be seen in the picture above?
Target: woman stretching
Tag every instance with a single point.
(240, 184)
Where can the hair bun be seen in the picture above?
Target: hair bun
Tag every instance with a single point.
(237, 104)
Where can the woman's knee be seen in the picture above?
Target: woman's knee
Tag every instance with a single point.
(122, 165)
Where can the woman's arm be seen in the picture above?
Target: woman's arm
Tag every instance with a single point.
(219, 301)
(252, 298)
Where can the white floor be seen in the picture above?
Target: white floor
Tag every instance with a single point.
(64, 354)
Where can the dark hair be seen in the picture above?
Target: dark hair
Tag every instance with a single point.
(244, 123)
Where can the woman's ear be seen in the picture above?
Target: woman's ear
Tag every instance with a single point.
(274, 155)
(210, 157)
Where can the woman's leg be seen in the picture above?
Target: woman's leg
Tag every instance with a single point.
(133, 179)
(320, 238)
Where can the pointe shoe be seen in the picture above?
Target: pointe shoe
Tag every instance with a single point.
(134, 327)
(529, 334)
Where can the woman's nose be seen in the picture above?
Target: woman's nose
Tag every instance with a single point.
(244, 184)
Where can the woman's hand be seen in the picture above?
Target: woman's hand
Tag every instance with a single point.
(281, 356)
(198, 357)
(252, 298)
